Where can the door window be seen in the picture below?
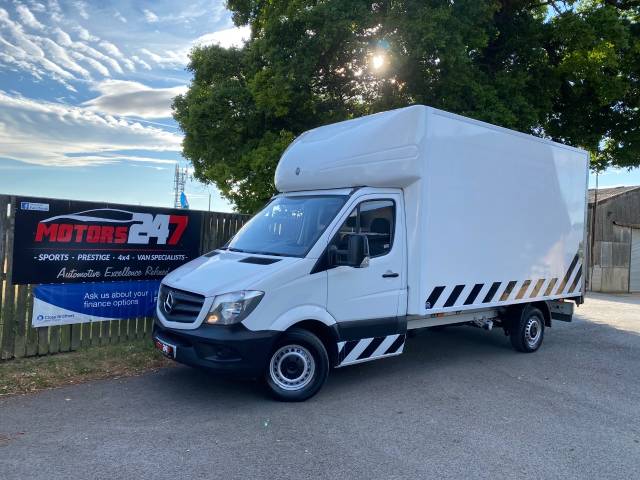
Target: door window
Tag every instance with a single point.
(375, 219)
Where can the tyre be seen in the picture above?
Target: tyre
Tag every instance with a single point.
(527, 330)
(298, 366)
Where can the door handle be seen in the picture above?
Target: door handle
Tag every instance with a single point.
(390, 274)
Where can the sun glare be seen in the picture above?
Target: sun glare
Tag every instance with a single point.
(377, 62)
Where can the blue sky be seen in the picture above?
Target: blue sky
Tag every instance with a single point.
(85, 94)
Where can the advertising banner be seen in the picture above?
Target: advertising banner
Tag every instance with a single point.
(93, 302)
(63, 241)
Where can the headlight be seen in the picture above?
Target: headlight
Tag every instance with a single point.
(233, 307)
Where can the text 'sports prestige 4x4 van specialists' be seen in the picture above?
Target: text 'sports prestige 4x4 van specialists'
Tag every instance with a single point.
(405, 219)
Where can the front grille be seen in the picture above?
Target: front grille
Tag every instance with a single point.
(183, 307)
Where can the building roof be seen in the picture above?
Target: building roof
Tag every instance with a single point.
(605, 194)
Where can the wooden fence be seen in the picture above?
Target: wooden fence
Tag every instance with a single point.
(19, 339)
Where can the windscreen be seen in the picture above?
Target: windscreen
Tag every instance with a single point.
(288, 226)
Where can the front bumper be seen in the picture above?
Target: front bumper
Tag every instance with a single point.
(233, 350)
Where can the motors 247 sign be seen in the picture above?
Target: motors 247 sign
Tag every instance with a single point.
(61, 241)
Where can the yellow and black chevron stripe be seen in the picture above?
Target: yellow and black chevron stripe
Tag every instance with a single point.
(570, 284)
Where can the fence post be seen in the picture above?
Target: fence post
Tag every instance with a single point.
(85, 340)
(203, 233)
(43, 340)
(54, 338)
(4, 226)
(32, 333)
(219, 233)
(8, 314)
(20, 341)
(76, 330)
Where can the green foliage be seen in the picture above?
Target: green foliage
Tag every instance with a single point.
(568, 70)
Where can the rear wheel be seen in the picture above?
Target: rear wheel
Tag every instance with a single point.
(527, 330)
(298, 366)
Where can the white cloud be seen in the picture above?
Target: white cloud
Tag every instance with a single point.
(49, 133)
(81, 7)
(101, 56)
(54, 54)
(20, 50)
(117, 157)
(54, 10)
(84, 34)
(62, 37)
(105, 60)
(17, 35)
(149, 16)
(123, 98)
(94, 58)
(37, 6)
(18, 65)
(47, 42)
(169, 58)
(227, 38)
(141, 62)
(27, 18)
(96, 65)
(114, 51)
(230, 37)
(52, 47)
(60, 56)
(119, 16)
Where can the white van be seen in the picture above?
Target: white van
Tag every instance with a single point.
(405, 219)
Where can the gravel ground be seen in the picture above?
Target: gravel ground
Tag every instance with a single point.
(460, 403)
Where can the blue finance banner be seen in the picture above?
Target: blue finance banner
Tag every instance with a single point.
(93, 302)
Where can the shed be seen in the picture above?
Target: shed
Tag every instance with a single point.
(614, 239)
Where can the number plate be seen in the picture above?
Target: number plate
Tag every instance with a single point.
(167, 349)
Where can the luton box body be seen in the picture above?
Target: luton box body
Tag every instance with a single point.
(493, 216)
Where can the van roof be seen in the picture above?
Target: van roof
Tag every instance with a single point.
(380, 150)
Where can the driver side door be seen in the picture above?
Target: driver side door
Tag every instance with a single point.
(365, 301)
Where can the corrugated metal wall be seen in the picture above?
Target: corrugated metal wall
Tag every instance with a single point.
(612, 246)
(634, 275)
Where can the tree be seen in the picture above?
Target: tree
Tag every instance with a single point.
(567, 70)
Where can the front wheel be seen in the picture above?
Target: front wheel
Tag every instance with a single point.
(527, 330)
(298, 366)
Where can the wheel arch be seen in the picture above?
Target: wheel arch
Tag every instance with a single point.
(328, 335)
(513, 312)
(302, 313)
(546, 311)
(316, 320)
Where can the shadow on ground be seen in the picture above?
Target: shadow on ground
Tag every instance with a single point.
(459, 403)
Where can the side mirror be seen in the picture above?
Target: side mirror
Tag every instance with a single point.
(358, 251)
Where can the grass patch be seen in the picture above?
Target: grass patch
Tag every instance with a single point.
(29, 375)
